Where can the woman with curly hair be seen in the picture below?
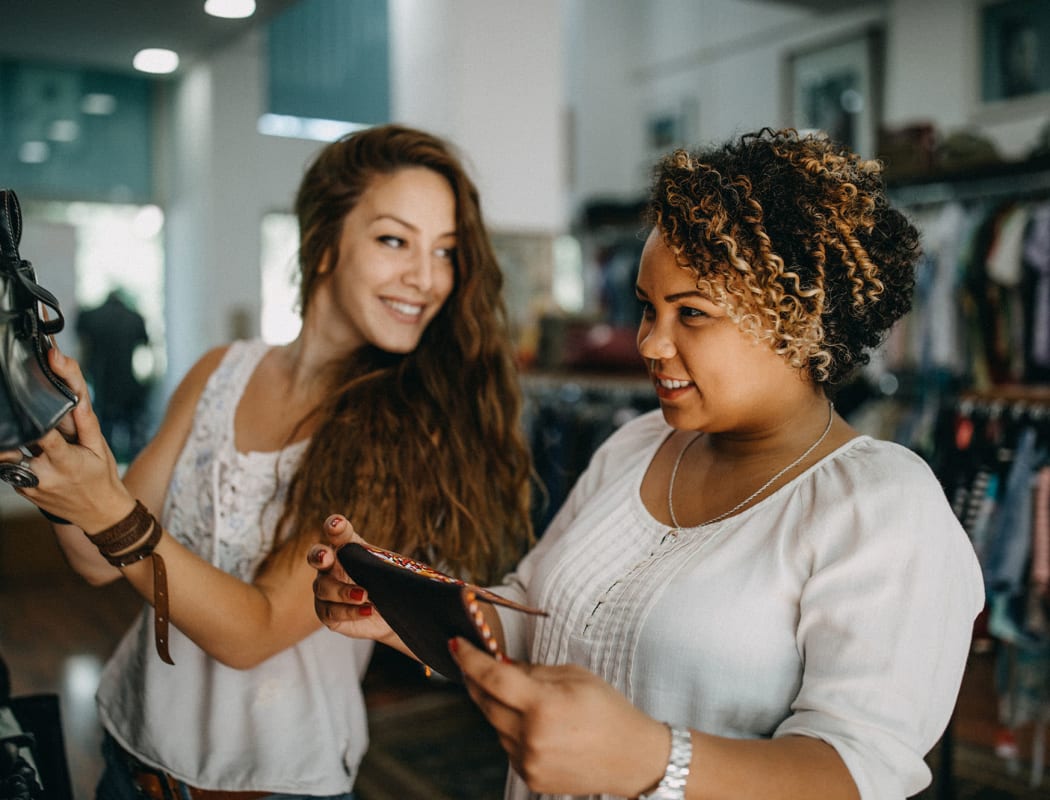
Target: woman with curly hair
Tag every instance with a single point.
(747, 598)
(398, 403)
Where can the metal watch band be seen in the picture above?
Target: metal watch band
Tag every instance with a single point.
(672, 784)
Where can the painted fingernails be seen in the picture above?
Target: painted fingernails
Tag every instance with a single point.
(357, 594)
(365, 610)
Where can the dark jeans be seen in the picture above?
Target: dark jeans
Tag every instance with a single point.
(116, 782)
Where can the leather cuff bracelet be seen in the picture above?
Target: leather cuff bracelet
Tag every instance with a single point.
(140, 532)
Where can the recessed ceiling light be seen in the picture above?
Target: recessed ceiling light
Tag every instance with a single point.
(34, 152)
(63, 130)
(230, 9)
(156, 60)
(98, 103)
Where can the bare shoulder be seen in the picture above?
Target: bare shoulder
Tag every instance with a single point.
(195, 379)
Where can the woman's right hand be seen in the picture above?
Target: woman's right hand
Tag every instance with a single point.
(339, 603)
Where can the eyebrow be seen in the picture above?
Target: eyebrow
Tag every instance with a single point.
(671, 298)
(407, 224)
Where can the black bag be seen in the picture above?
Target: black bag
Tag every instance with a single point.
(32, 398)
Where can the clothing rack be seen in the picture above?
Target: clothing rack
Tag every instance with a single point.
(980, 303)
(1020, 179)
(1015, 399)
(566, 416)
(997, 441)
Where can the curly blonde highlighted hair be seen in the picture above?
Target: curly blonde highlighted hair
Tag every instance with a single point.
(794, 237)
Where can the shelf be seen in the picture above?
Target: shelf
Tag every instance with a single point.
(990, 181)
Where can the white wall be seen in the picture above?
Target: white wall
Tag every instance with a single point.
(491, 77)
(221, 177)
(934, 73)
(726, 58)
(721, 61)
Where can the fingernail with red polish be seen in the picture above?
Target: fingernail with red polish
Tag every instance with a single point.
(453, 645)
(366, 611)
(332, 521)
(357, 593)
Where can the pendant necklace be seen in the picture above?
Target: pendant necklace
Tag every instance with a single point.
(676, 528)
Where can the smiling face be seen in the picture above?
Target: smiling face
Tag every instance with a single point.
(708, 373)
(396, 262)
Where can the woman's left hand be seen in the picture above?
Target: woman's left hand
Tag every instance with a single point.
(79, 478)
(565, 730)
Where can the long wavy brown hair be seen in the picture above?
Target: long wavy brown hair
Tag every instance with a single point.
(794, 236)
(422, 451)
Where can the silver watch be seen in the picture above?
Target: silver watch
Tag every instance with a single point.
(672, 784)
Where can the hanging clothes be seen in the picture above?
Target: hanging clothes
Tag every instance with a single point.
(996, 470)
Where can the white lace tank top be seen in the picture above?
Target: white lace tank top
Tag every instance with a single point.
(296, 723)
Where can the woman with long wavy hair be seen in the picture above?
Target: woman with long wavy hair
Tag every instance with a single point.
(397, 403)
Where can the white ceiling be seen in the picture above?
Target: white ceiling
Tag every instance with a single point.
(105, 34)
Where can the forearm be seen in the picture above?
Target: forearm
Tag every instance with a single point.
(237, 623)
(83, 557)
(786, 768)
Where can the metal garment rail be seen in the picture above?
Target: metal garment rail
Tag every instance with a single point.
(1011, 179)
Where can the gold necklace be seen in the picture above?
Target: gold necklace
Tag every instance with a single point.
(676, 528)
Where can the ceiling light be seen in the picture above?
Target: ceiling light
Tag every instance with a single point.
(229, 9)
(34, 152)
(156, 60)
(98, 104)
(63, 130)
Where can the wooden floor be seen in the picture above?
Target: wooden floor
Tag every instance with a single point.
(56, 632)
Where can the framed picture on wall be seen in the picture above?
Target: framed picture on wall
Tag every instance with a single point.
(836, 88)
(671, 125)
(1015, 49)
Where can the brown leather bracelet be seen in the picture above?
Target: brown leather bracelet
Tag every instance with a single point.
(123, 533)
(113, 544)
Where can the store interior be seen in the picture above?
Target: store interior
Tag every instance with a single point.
(179, 205)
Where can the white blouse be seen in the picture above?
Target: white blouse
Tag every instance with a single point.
(294, 724)
(839, 607)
